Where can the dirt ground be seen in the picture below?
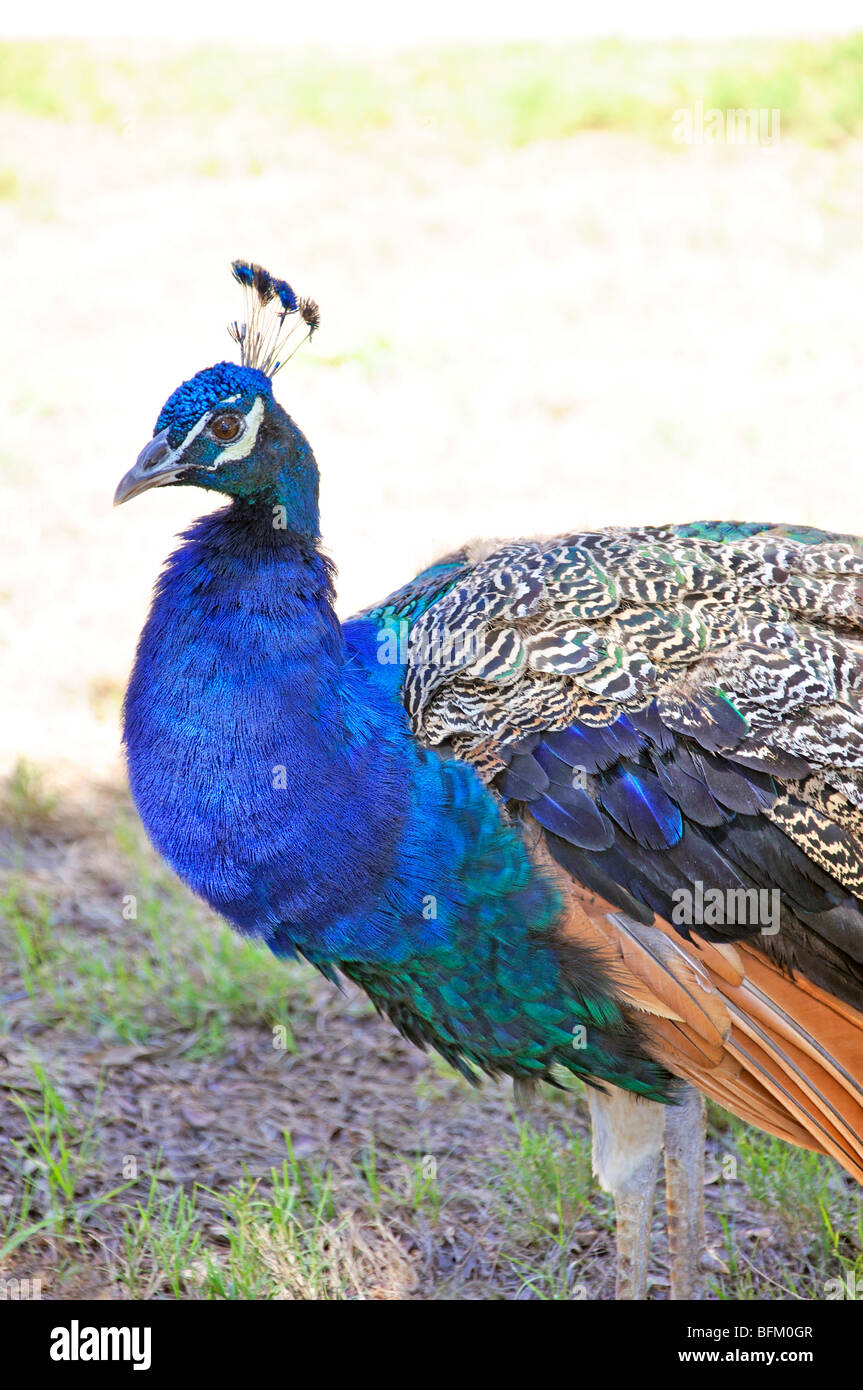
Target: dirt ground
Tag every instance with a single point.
(573, 333)
(181, 1080)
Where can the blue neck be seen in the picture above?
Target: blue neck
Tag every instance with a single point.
(255, 748)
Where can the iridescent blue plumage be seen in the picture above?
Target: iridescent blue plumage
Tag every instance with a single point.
(185, 406)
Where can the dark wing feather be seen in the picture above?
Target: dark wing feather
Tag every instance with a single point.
(671, 705)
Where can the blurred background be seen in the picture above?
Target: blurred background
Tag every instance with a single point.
(544, 306)
(572, 272)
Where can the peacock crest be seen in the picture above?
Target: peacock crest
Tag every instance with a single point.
(273, 313)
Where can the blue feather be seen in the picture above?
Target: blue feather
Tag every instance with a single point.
(637, 802)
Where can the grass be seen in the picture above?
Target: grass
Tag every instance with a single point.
(162, 957)
(547, 1191)
(26, 803)
(161, 1239)
(508, 94)
(291, 1242)
(54, 1156)
(412, 1186)
(808, 1196)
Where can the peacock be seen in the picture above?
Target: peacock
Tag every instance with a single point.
(585, 806)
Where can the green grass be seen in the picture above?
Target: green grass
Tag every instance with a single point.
(161, 1239)
(171, 963)
(506, 94)
(288, 1238)
(546, 1188)
(281, 1236)
(54, 1160)
(807, 1195)
(414, 1186)
(283, 1230)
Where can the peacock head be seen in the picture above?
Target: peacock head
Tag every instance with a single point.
(224, 430)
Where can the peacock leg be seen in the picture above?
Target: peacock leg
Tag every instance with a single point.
(627, 1142)
(684, 1190)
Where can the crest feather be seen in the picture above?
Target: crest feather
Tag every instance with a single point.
(273, 313)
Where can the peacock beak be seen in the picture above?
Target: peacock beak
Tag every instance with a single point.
(155, 466)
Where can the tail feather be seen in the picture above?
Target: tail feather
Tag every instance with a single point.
(798, 1095)
(775, 1050)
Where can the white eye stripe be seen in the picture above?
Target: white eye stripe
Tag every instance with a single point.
(240, 449)
(246, 443)
(193, 434)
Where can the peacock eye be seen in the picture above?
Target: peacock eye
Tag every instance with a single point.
(226, 427)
